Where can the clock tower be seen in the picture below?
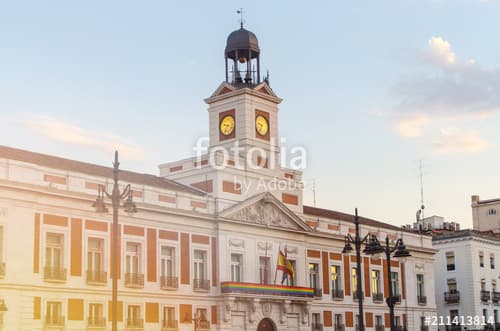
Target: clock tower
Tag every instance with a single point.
(243, 110)
(243, 155)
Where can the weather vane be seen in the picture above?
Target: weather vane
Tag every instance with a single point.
(240, 11)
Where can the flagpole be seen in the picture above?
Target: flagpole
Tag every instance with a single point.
(265, 267)
(277, 259)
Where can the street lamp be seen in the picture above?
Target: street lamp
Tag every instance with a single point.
(374, 247)
(116, 197)
(357, 241)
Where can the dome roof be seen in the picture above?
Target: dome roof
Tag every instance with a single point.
(242, 39)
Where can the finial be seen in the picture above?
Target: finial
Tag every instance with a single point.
(240, 11)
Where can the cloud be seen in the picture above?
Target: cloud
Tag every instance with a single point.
(446, 88)
(69, 133)
(411, 126)
(457, 141)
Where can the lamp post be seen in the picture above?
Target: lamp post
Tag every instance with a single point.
(400, 250)
(357, 241)
(116, 197)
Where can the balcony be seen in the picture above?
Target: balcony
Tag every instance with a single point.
(95, 277)
(452, 297)
(318, 292)
(495, 297)
(96, 323)
(169, 283)
(201, 285)
(424, 328)
(485, 296)
(252, 289)
(396, 298)
(134, 280)
(338, 294)
(400, 328)
(339, 327)
(379, 327)
(356, 295)
(454, 327)
(316, 327)
(378, 297)
(54, 322)
(450, 267)
(489, 327)
(169, 325)
(2, 269)
(54, 274)
(422, 300)
(201, 325)
(135, 324)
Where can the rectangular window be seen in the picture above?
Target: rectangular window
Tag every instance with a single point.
(314, 275)
(201, 320)
(453, 314)
(354, 280)
(264, 269)
(495, 316)
(338, 322)
(96, 315)
(378, 320)
(376, 282)
(492, 260)
(134, 316)
(54, 313)
(483, 284)
(316, 321)
(481, 259)
(133, 258)
(452, 285)
(450, 261)
(420, 286)
(236, 267)
(200, 265)
(397, 321)
(54, 250)
(95, 254)
(169, 320)
(395, 283)
(167, 261)
(292, 281)
(335, 276)
(356, 322)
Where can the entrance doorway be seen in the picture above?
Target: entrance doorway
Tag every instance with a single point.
(266, 325)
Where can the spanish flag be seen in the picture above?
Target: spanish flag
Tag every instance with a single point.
(285, 265)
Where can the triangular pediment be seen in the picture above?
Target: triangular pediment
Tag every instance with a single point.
(265, 89)
(223, 89)
(265, 209)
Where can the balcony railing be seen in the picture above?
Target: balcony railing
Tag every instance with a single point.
(134, 280)
(400, 328)
(317, 327)
(424, 328)
(2, 269)
(318, 292)
(450, 267)
(378, 297)
(167, 325)
(337, 294)
(266, 289)
(422, 300)
(396, 298)
(356, 295)
(201, 325)
(96, 322)
(96, 277)
(485, 296)
(454, 327)
(489, 327)
(54, 274)
(379, 327)
(339, 327)
(135, 323)
(495, 297)
(169, 282)
(54, 321)
(452, 297)
(201, 284)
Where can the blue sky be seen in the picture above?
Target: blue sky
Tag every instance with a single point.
(369, 88)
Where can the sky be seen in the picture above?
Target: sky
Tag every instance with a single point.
(369, 88)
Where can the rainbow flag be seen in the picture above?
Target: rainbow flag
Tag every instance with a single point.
(266, 289)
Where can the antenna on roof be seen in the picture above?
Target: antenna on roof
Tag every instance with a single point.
(240, 11)
(421, 190)
(314, 192)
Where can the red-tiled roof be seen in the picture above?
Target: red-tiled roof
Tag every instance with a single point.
(92, 169)
(337, 215)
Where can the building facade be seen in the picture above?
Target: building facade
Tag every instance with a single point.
(466, 275)
(485, 214)
(201, 252)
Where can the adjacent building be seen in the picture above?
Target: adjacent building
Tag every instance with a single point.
(201, 252)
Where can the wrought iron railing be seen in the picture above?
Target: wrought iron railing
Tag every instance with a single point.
(422, 300)
(96, 277)
(135, 323)
(337, 294)
(452, 297)
(378, 297)
(169, 325)
(96, 321)
(134, 280)
(51, 320)
(485, 296)
(54, 273)
(201, 284)
(202, 325)
(316, 327)
(169, 282)
(318, 292)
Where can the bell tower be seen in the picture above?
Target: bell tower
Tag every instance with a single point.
(243, 111)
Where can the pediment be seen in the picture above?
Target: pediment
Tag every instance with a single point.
(223, 89)
(265, 209)
(265, 89)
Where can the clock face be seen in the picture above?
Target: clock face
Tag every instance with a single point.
(227, 125)
(261, 125)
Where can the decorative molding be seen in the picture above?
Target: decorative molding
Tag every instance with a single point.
(236, 243)
(265, 213)
(267, 309)
(419, 266)
(264, 245)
